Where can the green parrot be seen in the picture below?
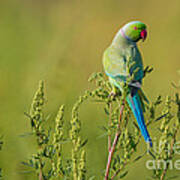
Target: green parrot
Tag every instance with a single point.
(122, 61)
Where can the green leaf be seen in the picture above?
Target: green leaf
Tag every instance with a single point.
(159, 118)
(174, 85)
(106, 111)
(47, 117)
(154, 157)
(139, 157)
(84, 143)
(135, 124)
(30, 164)
(123, 175)
(92, 178)
(102, 135)
(103, 128)
(158, 101)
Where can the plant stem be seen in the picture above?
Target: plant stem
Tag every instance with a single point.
(109, 136)
(112, 149)
(40, 175)
(138, 140)
(40, 170)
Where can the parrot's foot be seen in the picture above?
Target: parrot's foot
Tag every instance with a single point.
(112, 95)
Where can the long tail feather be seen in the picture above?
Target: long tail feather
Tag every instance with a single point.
(135, 105)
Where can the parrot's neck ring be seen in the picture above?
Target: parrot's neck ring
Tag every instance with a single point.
(125, 36)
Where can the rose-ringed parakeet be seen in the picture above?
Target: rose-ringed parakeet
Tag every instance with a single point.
(121, 61)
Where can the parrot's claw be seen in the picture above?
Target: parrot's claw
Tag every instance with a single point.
(112, 95)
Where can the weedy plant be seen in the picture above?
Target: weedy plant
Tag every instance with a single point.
(49, 162)
(166, 145)
(123, 135)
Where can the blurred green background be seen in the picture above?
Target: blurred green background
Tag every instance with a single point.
(61, 42)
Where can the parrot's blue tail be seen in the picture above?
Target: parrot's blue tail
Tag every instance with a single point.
(135, 105)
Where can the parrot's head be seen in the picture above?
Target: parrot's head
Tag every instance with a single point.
(135, 31)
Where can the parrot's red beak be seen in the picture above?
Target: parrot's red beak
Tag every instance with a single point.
(143, 34)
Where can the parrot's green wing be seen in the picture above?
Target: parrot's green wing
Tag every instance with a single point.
(120, 65)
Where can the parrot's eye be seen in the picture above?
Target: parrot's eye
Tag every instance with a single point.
(135, 28)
